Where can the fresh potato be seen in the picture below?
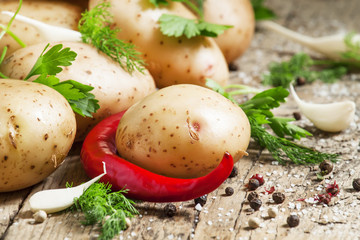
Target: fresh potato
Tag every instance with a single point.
(51, 12)
(170, 60)
(37, 130)
(182, 131)
(238, 13)
(114, 87)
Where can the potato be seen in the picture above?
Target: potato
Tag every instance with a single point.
(115, 88)
(182, 131)
(170, 60)
(51, 12)
(238, 13)
(37, 130)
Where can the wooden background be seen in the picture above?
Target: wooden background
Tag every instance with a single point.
(226, 217)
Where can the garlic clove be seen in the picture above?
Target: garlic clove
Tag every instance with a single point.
(55, 200)
(329, 117)
(50, 32)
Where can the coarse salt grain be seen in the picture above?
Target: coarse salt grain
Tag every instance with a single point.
(198, 207)
(170, 236)
(209, 223)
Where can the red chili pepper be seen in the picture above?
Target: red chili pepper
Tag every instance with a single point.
(99, 146)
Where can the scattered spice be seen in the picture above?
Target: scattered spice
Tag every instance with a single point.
(170, 210)
(232, 66)
(229, 191)
(252, 195)
(255, 204)
(254, 222)
(234, 172)
(40, 216)
(297, 116)
(293, 220)
(326, 167)
(253, 184)
(356, 184)
(270, 191)
(258, 177)
(333, 189)
(273, 212)
(323, 198)
(278, 197)
(300, 81)
(201, 200)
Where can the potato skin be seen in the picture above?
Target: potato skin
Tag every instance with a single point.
(115, 88)
(170, 60)
(182, 131)
(37, 130)
(45, 11)
(238, 13)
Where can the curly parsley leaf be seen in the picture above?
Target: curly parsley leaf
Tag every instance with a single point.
(262, 12)
(301, 65)
(95, 29)
(258, 110)
(109, 209)
(77, 94)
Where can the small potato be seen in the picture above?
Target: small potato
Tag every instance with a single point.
(170, 60)
(238, 13)
(115, 88)
(51, 12)
(182, 131)
(37, 130)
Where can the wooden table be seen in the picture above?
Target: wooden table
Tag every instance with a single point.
(226, 217)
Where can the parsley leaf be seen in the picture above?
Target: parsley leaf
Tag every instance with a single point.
(77, 94)
(352, 55)
(95, 29)
(261, 12)
(158, 2)
(258, 110)
(109, 209)
(302, 65)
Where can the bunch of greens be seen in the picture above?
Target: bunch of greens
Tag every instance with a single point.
(282, 148)
(108, 209)
(176, 26)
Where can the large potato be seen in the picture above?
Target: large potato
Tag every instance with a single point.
(170, 60)
(182, 131)
(114, 87)
(37, 130)
(52, 12)
(238, 13)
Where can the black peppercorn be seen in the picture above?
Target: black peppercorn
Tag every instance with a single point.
(300, 81)
(325, 167)
(293, 220)
(356, 184)
(233, 67)
(234, 172)
(252, 195)
(255, 204)
(229, 191)
(253, 184)
(170, 210)
(278, 197)
(201, 200)
(297, 116)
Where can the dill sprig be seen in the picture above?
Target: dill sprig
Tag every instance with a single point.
(95, 29)
(109, 209)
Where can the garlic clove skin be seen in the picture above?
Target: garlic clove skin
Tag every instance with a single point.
(328, 117)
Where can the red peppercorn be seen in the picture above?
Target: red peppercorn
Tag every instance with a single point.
(324, 198)
(333, 189)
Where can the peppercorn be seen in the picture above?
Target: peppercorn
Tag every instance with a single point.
(278, 197)
(170, 210)
(258, 177)
(325, 167)
(253, 184)
(229, 191)
(201, 200)
(233, 67)
(234, 172)
(293, 220)
(356, 184)
(300, 81)
(255, 204)
(252, 195)
(297, 116)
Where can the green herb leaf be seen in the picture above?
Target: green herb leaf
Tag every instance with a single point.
(158, 2)
(77, 94)
(302, 65)
(109, 209)
(261, 12)
(352, 55)
(95, 29)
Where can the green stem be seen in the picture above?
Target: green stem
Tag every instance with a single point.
(195, 9)
(241, 89)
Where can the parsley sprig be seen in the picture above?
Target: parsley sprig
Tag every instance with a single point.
(108, 209)
(95, 29)
(177, 26)
(77, 94)
(282, 148)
